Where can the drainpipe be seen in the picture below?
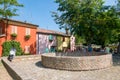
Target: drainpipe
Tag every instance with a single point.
(38, 43)
(6, 25)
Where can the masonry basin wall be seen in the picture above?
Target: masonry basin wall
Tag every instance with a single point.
(50, 60)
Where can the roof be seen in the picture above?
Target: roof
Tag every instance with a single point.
(46, 31)
(18, 23)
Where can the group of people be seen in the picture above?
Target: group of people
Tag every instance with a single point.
(105, 49)
(90, 49)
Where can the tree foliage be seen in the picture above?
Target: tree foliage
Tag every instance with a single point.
(90, 19)
(8, 8)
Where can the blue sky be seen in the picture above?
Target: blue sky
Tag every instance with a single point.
(39, 12)
(110, 2)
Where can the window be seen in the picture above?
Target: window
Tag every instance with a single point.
(27, 49)
(27, 31)
(14, 29)
(0, 30)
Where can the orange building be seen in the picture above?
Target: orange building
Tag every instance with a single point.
(10, 27)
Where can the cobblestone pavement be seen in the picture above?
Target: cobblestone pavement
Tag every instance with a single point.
(33, 70)
(3, 73)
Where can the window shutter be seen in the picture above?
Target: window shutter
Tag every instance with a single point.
(14, 29)
(27, 49)
(27, 31)
(50, 37)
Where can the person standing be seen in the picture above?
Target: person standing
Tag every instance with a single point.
(72, 43)
(107, 49)
(90, 48)
(102, 49)
(12, 54)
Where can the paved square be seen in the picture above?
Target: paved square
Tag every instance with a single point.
(32, 69)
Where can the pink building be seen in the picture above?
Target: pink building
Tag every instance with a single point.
(47, 40)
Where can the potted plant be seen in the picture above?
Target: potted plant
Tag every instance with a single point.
(14, 35)
(27, 36)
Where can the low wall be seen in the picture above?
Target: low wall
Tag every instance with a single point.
(76, 63)
(12, 73)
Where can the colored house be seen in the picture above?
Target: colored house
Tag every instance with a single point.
(49, 40)
(61, 39)
(25, 33)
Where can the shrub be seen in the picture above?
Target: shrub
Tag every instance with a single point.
(10, 44)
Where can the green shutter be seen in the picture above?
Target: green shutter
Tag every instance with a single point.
(50, 37)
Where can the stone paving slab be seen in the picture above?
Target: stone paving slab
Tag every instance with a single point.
(3, 73)
(32, 69)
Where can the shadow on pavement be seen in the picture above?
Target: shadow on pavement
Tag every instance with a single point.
(39, 64)
(116, 59)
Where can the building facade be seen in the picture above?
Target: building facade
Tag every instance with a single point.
(23, 32)
(50, 41)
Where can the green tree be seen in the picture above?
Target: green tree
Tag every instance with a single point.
(8, 8)
(108, 23)
(87, 18)
(116, 36)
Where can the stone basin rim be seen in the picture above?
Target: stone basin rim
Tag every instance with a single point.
(54, 55)
(81, 63)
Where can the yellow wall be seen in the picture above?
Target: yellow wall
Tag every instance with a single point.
(67, 40)
(60, 42)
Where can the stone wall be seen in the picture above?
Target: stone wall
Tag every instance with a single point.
(77, 63)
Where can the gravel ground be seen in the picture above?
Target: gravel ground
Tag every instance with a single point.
(33, 70)
(3, 73)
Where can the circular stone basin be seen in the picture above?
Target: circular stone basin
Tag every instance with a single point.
(70, 62)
